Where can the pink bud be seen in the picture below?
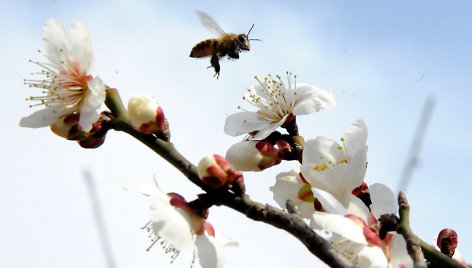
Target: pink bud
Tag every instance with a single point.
(145, 115)
(252, 155)
(216, 172)
(447, 241)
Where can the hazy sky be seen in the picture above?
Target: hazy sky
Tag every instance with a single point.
(381, 60)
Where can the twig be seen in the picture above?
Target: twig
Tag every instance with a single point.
(437, 258)
(412, 242)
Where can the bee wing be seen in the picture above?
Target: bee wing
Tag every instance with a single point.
(209, 23)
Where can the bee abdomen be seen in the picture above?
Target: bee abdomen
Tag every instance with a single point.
(202, 49)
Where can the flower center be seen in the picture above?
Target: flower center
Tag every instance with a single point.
(274, 99)
(63, 84)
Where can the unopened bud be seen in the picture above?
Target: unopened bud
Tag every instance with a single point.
(252, 155)
(216, 172)
(447, 241)
(145, 115)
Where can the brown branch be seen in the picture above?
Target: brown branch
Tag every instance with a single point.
(278, 218)
(292, 224)
(412, 242)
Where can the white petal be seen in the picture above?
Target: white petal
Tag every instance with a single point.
(286, 187)
(268, 129)
(80, 45)
(97, 92)
(147, 189)
(339, 180)
(311, 99)
(339, 225)
(55, 42)
(329, 202)
(225, 240)
(383, 200)
(43, 118)
(320, 150)
(209, 252)
(91, 107)
(357, 207)
(355, 136)
(243, 123)
(372, 257)
(170, 224)
(400, 257)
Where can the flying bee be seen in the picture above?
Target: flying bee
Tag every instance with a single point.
(226, 45)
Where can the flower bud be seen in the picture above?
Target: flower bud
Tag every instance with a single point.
(252, 155)
(447, 241)
(216, 172)
(145, 114)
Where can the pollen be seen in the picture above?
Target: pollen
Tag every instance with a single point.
(322, 167)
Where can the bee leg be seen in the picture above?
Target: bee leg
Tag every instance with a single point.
(214, 60)
(216, 65)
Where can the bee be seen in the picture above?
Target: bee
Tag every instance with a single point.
(226, 45)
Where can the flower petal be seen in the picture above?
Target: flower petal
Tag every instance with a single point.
(383, 200)
(91, 106)
(268, 129)
(355, 136)
(311, 99)
(171, 224)
(372, 257)
(209, 252)
(339, 180)
(243, 123)
(400, 257)
(286, 187)
(43, 118)
(56, 44)
(329, 202)
(339, 225)
(146, 189)
(80, 45)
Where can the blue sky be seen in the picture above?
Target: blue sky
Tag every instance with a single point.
(381, 60)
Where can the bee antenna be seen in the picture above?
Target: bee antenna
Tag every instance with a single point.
(250, 30)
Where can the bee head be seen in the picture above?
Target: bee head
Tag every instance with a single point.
(243, 42)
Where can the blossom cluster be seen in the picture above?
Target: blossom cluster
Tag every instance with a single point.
(326, 186)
